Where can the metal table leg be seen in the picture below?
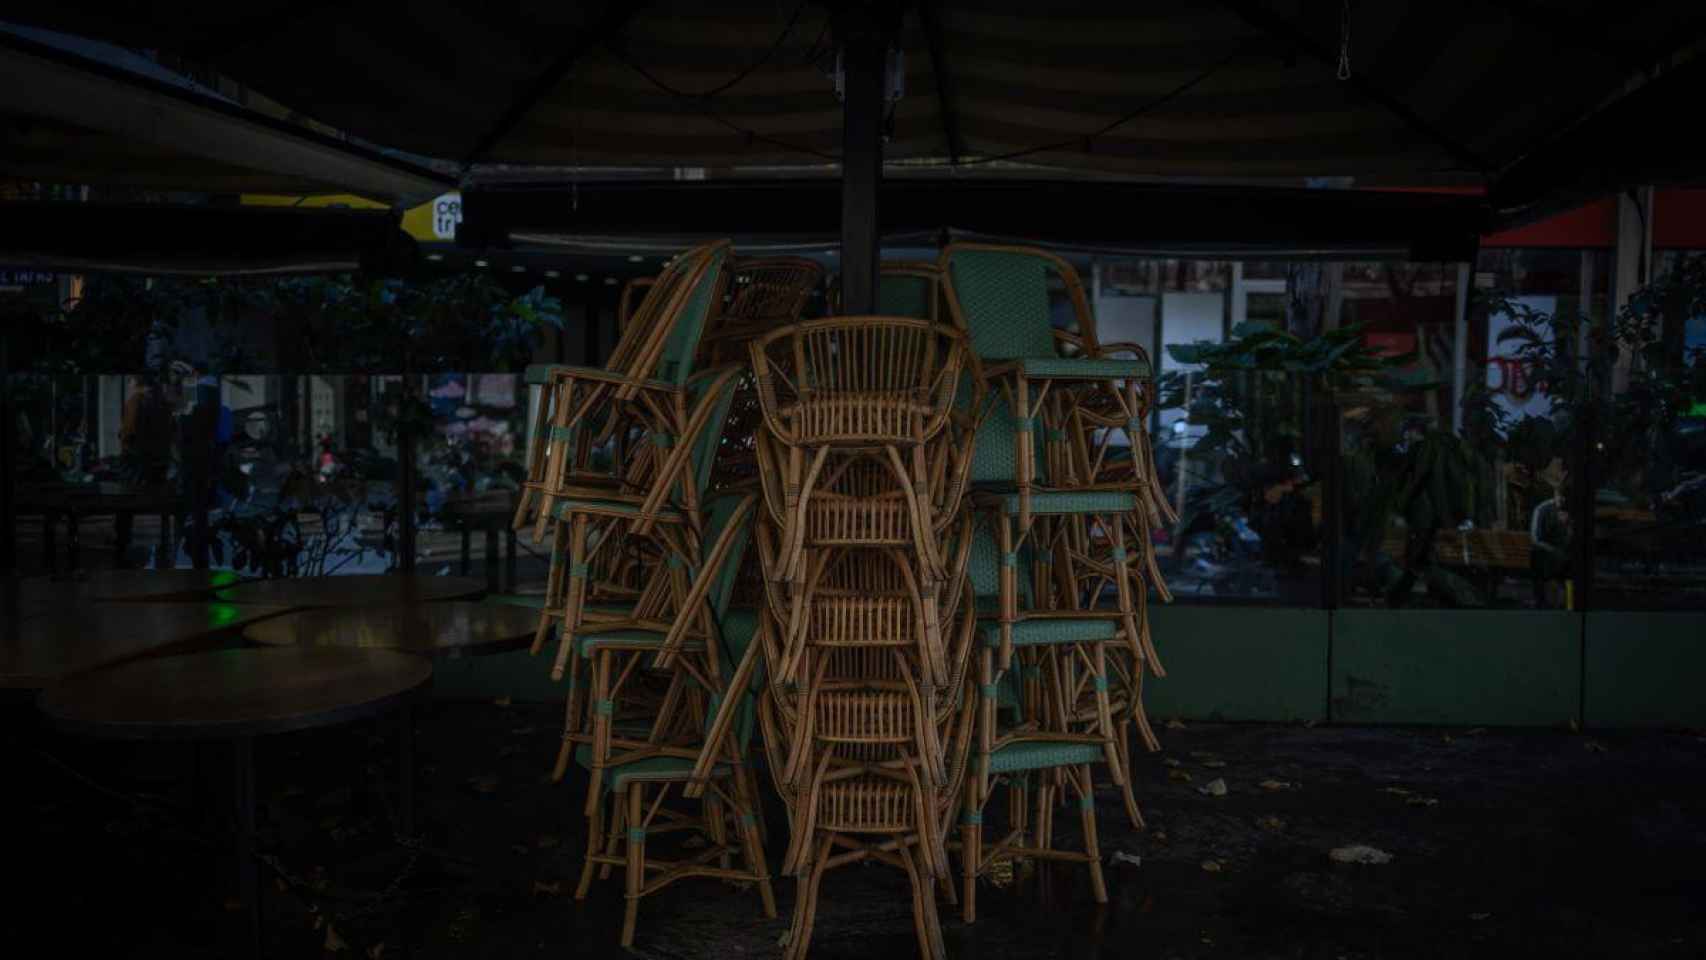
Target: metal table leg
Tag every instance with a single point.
(406, 770)
(248, 874)
(492, 580)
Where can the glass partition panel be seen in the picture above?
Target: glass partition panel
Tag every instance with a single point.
(1649, 523)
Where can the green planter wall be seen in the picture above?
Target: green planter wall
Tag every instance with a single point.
(1239, 663)
(1645, 670)
(1492, 667)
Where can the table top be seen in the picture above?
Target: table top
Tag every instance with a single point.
(100, 585)
(358, 590)
(450, 629)
(43, 650)
(234, 693)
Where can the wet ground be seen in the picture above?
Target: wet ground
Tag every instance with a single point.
(1501, 844)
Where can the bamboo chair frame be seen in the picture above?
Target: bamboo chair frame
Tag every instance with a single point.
(591, 523)
(642, 381)
(1027, 389)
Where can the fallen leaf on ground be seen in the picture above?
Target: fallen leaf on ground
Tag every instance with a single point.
(1178, 776)
(1395, 791)
(1214, 788)
(1310, 724)
(376, 951)
(1001, 873)
(1201, 755)
(1214, 764)
(522, 731)
(1422, 801)
(334, 943)
(485, 784)
(1169, 762)
(1275, 785)
(1160, 836)
(1175, 724)
(509, 750)
(1120, 856)
(1270, 822)
(519, 849)
(1593, 746)
(1479, 916)
(546, 841)
(1212, 866)
(502, 701)
(1446, 738)
(1574, 726)
(1474, 731)
(551, 888)
(1360, 853)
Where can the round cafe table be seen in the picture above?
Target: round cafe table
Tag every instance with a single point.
(236, 696)
(39, 651)
(455, 628)
(356, 590)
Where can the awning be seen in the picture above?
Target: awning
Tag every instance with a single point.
(166, 239)
(1146, 219)
(1395, 90)
(77, 112)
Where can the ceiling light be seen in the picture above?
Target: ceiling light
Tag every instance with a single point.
(635, 258)
(582, 277)
(435, 257)
(479, 263)
(552, 274)
(518, 268)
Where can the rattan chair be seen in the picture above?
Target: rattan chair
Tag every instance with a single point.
(593, 528)
(641, 390)
(1000, 296)
(635, 789)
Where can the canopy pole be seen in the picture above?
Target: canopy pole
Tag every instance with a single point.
(864, 55)
(8, 422)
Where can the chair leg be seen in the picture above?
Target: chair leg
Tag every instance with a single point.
(618, 818)
(753, 842)
(594, 846)
(924, 920)
(1092, 849)
(971, 852)
(717, 827)
(805, 906)
(1131, 808)
(636, 874)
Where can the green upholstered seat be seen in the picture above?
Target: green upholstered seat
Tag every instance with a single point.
(591, 643)
(1044, 631)
(566, 509)
(1061, 503)
(1041, 755)
(650, 770)
(1082, 368)
(1004, 297)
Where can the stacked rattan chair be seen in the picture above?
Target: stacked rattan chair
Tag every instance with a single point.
(1061, 560)
(868, 631)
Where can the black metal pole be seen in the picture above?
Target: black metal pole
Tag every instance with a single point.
(406, 473)
(864, 54)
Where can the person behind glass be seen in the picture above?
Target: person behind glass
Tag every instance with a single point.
(1549, 529)
(204, 434)
(146, 435)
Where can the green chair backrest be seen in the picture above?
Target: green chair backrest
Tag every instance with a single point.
(904, 295)
(739, 627)
(675, 365)
(983, 566)
(710, 439)
(1003, 296)
(995, 454)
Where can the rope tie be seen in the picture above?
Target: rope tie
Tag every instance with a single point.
(579, 570)
(1117, 554)
(636, 835)
(564, 433)
(1086, 803)
(662, 440)
(749, 819)
(1010, 559)
(675, 562)
(972, 819)
(1056, 435)
(605, 708)
(1101, 684)
(988, 690)
(1023, 424)
(1031, 672)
